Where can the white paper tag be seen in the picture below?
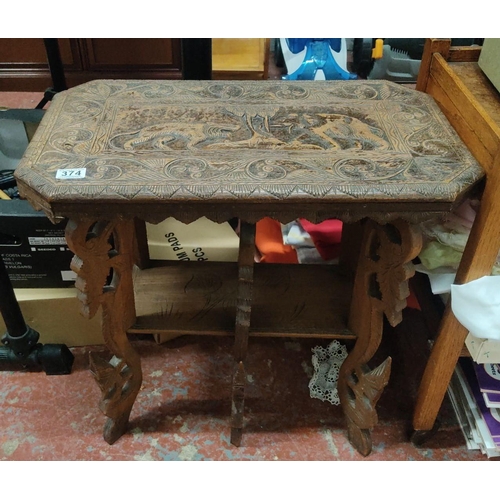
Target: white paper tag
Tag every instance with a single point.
(71, 173)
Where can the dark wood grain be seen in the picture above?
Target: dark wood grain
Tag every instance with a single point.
(464, 54)
(244, 302)
(23, 61)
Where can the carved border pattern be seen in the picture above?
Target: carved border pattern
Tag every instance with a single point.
(250, 212)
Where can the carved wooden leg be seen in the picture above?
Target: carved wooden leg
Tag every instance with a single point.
(243, 310)
(141, 248)
(103, 262)
(380, 287)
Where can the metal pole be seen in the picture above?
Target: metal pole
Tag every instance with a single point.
(9, 307)
(55, 64)
(21, 349)
(56, 71)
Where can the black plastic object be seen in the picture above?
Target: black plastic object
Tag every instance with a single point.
(196, 58)
(362, 62)
(414, 47)
(53, 359)
(21, 350)
(7, 179)
(279, 59)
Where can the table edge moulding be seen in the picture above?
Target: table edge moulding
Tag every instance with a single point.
(374, 154)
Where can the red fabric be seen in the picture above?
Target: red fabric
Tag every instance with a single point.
(269, 243)
(326, 236)
(412, 301)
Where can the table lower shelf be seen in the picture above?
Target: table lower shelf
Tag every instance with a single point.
(289, 300)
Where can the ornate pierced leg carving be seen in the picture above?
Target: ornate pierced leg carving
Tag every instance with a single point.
(103, 261)
(380, 287)
(243, 310)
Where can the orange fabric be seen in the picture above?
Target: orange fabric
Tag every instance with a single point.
(269, 243)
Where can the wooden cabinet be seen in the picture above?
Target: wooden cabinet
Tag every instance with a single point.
(24, 66)
(133, 56)
(240, 58)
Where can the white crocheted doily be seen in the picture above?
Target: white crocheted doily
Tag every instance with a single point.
(326, 364)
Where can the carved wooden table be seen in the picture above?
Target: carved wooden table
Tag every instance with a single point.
(378, 156)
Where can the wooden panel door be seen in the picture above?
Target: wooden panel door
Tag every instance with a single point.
(24, 65)
(126, 53)
(132, 57)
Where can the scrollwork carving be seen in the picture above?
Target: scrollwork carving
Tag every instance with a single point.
(397, 244)
(90, 242)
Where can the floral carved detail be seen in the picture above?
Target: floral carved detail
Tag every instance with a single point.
(92, 263)
(392, 248)
(381, 287)
(364, 389)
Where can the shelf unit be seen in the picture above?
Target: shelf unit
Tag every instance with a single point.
(192, 298)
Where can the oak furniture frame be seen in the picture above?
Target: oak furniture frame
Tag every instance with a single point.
(377, 155)
(469, 101)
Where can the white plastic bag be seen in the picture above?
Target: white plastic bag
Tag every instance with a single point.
(477, 306)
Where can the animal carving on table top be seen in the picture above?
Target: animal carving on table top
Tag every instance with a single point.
(270, 128)
(177, 137)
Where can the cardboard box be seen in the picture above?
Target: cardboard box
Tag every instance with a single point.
(489, 60)
(202, 240)
(54, 313)
(33, 249)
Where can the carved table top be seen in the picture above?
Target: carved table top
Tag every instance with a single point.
(221, 149)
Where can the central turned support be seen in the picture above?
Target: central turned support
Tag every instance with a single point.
(246, 261)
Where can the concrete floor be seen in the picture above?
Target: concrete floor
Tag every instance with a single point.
(182, 411)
